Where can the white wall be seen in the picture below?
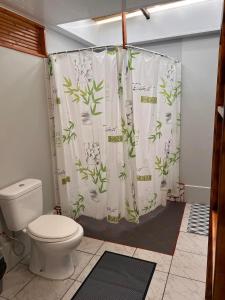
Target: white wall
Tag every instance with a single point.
(24, 136)
(56, 42)
(200, 61)
(24, 131)
(199, 57)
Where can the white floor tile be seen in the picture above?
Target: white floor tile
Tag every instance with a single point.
(89, 245)
(187, 208)
(157, 286)
(184, 223)
(189, 265)
(179, 288)
(69, 294)
(15, 280)
(193, 243)
(88, 268)
(162, 261)
(44, 289)
(117, 248)
(81, 259)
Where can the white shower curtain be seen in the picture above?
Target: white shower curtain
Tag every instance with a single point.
(115, 119)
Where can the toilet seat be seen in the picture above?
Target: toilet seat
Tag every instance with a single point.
(52, 228)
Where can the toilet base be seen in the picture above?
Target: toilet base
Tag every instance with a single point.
(57, 267)
(54, 260)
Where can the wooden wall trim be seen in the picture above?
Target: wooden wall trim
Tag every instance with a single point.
(21, 34)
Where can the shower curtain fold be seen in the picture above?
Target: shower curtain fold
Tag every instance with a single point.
(115, 122)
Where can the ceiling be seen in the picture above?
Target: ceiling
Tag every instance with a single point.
(53, 12)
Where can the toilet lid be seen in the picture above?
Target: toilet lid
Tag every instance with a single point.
(53, 227)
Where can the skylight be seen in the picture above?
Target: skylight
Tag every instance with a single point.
(152, 9)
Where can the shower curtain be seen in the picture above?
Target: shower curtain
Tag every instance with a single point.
(115, 122)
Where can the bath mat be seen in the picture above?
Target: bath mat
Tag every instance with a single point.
(117, 277)
(157, 231)
(198, 221)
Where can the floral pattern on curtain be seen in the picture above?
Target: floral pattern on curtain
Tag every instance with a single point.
(115, 123)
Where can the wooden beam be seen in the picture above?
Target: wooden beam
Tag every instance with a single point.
(215, 287)
(124, 29)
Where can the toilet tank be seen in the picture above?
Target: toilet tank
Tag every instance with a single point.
(21, 203)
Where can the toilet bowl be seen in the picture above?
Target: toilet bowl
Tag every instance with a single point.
(53, 237)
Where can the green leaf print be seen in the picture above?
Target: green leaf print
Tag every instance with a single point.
(112, 51)
(174, 157)
(131, 56)
(50, 67)
(178, 120)
(114, 219)
(170, 93)
(97, 175)
(129, 137)
(163, 164)
(78, 206)
(151, 203)
(74, 92)
(98, 87)
(133, 213)
(120, 86)
(88, 95)
(69, 133)
(123, 174)
(157, 134)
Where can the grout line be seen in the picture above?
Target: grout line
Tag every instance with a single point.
(167, 276)
(84, 252)
(187, 278)
(189, 252)
(81, 270)
(96, 250)
(18, 263)
(99, 247)
(165, 286)
(68, 288)
(134, 252)
(25, 284)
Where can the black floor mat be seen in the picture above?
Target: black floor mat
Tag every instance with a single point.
(117, 277)
(157, 231)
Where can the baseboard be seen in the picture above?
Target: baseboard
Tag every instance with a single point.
(197, 194)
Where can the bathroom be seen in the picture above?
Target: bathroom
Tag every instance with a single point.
(166, 233)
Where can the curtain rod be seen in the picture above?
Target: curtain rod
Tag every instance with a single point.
(113, 46)
(154, 52)
(88, 48)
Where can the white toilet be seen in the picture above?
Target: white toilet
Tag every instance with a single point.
(53, 237)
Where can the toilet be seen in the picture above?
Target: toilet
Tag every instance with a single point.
(53, 237)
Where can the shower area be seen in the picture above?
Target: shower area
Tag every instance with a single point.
(115, 137)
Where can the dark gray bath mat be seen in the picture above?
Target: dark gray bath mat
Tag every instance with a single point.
(198, 221)
(117, 277)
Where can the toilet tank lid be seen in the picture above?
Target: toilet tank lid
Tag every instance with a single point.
(20, 188)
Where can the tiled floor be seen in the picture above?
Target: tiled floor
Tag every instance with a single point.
(179, 277)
